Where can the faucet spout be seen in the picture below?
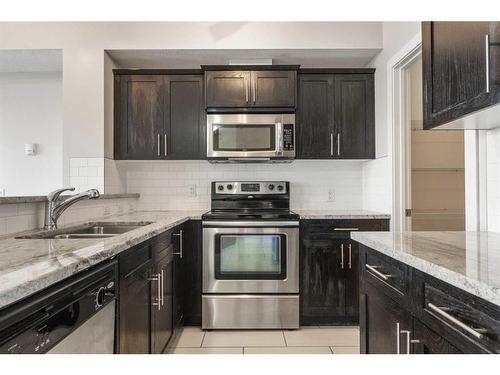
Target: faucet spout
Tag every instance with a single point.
(53, 209)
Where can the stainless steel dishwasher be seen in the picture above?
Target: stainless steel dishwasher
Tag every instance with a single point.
(75, 316)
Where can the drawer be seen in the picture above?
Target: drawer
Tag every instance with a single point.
(163, 243)
(470, 317)
(342, 228)
(385, 272)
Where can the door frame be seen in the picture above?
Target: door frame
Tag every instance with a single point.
(401, 147)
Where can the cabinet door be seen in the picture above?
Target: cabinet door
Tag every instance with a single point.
(184, 119)
(354, 116)
(138, 117)
(381, 322)
(177, 284)
(456, 71)
(429, 342)
(322, 292)
(351, 281)
(192, 274)
(315, 123)
(162, 317)
(274, 88)
(135, 312)
(227, 89)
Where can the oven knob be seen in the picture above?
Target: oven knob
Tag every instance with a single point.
(229, 186)
(220, 187)
(271, 187)
(280, 187)
(99, 297)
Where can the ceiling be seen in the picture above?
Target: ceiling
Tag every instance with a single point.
(30, 60)
(192, 59)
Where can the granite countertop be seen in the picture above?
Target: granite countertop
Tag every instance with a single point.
(43, 198)
(340, 214)
(467, 260)
(30, 265)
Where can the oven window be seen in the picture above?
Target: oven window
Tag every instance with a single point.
(250, 257)
(244, 138)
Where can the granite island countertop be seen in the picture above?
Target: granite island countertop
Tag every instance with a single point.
(467, 260)
(340, 214)
(30, 265)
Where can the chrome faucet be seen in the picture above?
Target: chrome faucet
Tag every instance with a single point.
(54, 209)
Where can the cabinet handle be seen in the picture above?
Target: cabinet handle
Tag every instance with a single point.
(342, 255)
(373, 269)
(180, 243)
(165, 139)
(246, 92)
(350, 255)
(159, 145)
(331, 144)
(157, 278)
(162, 287)
(407, 333)
(454, 320)
(338, 144)
(398, 340)
(345, 229)
(487, 55)
(254, 90)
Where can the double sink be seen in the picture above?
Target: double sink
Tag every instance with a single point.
(94, 230)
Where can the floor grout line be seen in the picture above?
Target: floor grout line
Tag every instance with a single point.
(203, 339)
(284, 338)
(331, 349)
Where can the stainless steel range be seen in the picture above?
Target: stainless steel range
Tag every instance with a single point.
(250, 257)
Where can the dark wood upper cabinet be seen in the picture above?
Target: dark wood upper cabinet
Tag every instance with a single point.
(227, 88)
(184, 118)
(315, 116)
(336, 116)
(461, 71)
(354, 116)
(159, 117)
(250, 89)
(138, 116)
(274, 88)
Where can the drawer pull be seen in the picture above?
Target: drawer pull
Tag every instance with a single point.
(345, 229)
(444, 314)
(374, 270)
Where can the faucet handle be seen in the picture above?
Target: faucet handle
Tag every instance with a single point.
(52, 196)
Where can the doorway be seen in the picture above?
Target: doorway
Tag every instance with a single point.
(435, 183)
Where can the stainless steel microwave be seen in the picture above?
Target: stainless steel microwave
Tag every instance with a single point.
(250, 137)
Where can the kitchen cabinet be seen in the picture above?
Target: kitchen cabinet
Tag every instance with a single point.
(336, 115)
(403, 310)
(159, 117)
(178, 287)
(135, 300)
(138, 116)
(247, 88)
(192, 264)
(461, 72)
(315, 116)
(329, 277)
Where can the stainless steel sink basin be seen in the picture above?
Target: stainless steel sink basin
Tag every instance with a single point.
(91, 230)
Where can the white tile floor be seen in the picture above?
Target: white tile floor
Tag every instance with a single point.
(307, 340)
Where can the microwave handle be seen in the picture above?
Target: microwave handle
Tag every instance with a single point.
(279, 138)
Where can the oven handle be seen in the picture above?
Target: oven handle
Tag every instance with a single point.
(268, 224)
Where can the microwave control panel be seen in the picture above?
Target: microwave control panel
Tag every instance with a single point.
(288, 137)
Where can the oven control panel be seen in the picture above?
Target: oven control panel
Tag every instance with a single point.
(249, 187)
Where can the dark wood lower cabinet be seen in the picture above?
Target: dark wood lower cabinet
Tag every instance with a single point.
(178, 288)
(429, 342)
(162, 309)
(192, 263)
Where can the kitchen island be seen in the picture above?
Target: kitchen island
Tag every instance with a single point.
(429, 292)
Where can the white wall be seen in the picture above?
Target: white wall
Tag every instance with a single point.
(84, 44)
(377, 174)
(30, 112)
(166, 184)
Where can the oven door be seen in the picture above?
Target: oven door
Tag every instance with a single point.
(234, 136)
(251, 258)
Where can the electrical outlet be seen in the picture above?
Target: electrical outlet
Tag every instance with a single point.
(331, 196)
(192, 191)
